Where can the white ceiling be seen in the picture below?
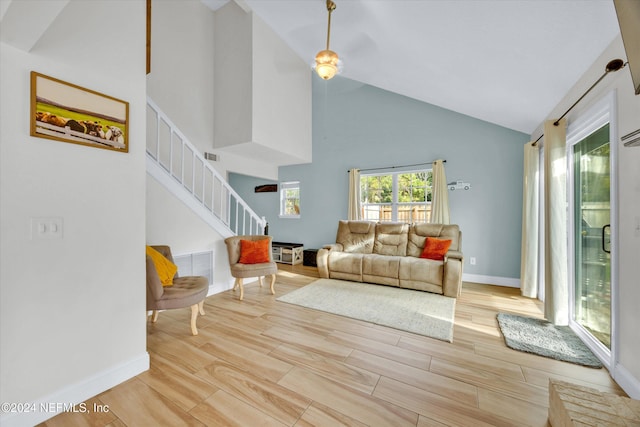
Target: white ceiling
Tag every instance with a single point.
(508, 62)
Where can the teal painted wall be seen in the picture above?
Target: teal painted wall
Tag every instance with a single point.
(356, 125)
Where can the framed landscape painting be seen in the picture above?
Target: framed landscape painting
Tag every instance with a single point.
(66, 112)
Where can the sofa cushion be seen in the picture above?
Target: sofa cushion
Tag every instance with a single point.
(421, 270)
(419, 285)
(356, 236)
(418, 234)
(382, 269)
(345, 262)
(391, 239)
(435, 248)
(381, 280)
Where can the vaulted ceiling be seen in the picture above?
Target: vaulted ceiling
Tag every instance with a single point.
(508, 62)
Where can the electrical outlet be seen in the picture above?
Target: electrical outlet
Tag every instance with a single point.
(472, 260)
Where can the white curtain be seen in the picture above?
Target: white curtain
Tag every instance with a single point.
(530, 219)
(440, 195)
(556, 304)
(354, 195)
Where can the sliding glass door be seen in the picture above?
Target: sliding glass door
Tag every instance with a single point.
(592, 234)
(591, 152)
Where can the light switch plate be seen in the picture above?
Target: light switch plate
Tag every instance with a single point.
(46, 228)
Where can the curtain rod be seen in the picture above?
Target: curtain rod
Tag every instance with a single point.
(613, 65)
(403, 166)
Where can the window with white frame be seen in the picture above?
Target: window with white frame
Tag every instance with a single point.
(396, 197)
(290, 199)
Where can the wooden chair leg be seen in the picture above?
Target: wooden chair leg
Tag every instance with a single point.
(260, 280)
(273, 282)
(201, 307)
(154, 316)
(241, 288)
(194, 317)
(235, 284)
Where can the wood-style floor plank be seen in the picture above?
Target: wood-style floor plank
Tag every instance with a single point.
(420, 378)
(180, 386)
(310, 342)
(361, 406)
(222, 409)
(520, 410)
(598, 379)
(182, 352)
(261, 362)
(137, 404)
(344, 373)
(451, 353)
(371, 345)
(439, 408)
(246, 358)
(545, 367)
(254, 389)
(487, 380)
(320, 415)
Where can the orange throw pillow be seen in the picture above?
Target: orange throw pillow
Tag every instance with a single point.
(254, 252)
(435, 248)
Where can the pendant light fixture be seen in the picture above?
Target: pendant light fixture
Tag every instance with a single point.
(327, 60)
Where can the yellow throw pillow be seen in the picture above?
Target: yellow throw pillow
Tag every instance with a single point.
(165, 268)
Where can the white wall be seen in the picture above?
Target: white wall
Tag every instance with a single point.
(263, 94)
(181, 78)
(233, 70)
(170, 222)
(627, 371)
(72, 310)
(281, 96)
(181, 83)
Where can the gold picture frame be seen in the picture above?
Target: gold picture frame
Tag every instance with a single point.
(69, 113)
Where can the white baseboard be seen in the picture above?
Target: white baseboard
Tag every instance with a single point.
(491, 280)
(629, 383)
(49, 406)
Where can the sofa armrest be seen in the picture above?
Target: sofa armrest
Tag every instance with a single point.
(452, 280)
(322, 259)
(455, 255)
(334, 247)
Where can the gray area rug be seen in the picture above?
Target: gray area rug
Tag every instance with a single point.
(419, 312)
(541, 337)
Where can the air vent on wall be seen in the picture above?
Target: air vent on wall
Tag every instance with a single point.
(196, 264)
(631, 139)
(211, 156)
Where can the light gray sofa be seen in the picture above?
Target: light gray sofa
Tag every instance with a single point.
(389, 254)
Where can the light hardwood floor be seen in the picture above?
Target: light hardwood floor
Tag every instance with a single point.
(259, 362)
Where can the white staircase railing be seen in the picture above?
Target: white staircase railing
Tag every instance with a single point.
(182, 169)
